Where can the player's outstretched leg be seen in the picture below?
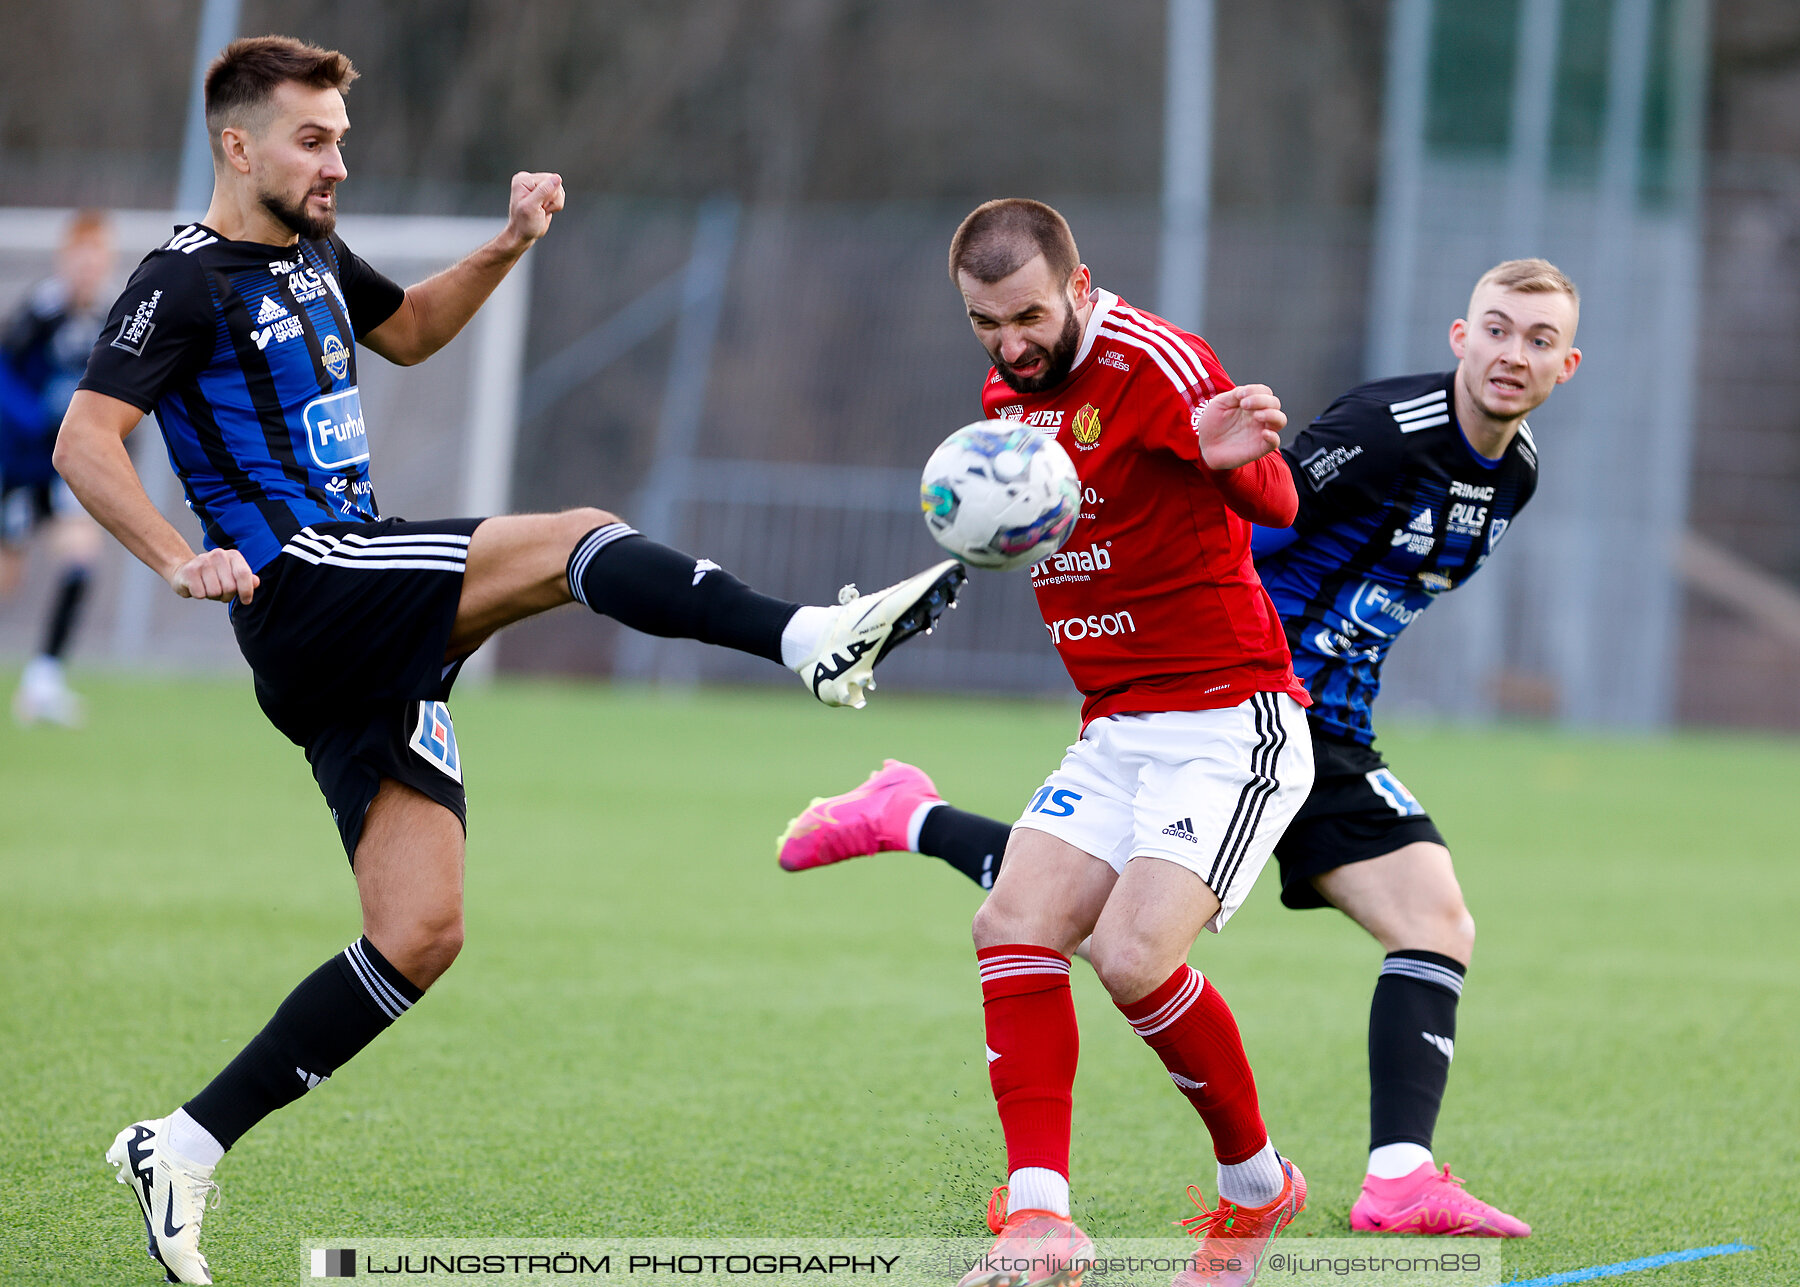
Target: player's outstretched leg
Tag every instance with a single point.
(652, 588)
(896, 810)
(839, 667)
(880, 816)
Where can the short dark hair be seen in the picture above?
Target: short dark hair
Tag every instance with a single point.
(1000, 237)
(246, 74)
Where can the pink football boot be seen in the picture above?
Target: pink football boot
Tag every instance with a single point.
(1431, 1202)
(871, 819)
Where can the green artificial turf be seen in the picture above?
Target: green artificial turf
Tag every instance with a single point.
(652, 1030)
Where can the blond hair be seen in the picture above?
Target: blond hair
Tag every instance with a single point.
(1530, 277)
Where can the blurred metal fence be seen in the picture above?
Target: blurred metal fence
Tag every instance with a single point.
(1572, 133)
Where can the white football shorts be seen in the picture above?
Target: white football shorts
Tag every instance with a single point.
(1211, 791)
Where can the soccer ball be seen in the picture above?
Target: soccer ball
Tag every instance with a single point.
(1000, 495)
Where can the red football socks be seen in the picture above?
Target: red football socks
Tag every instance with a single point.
(1032, 1047)
(1187, 1023)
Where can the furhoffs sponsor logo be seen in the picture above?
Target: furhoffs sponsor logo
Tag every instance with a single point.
(335, 431)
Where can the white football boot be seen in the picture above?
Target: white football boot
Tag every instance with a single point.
(44, 697)
(173, 1193)
(870, 626)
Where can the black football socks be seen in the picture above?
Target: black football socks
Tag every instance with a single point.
(62, 616)
(1412, 1035)
(972, 844)
(651, 588)
(340, 1007)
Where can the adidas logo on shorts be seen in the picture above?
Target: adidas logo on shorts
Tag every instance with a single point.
(1182, 830)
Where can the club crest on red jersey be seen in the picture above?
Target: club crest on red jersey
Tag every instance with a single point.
(1086, 426)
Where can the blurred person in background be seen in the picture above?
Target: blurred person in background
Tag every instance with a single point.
(44, 347)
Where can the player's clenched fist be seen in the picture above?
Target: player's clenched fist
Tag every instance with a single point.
(216, 574)
(535, 197)
(1239, 425)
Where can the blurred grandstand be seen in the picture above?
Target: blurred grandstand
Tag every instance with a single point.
(740, 333)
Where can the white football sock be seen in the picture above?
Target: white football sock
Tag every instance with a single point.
(1391, 1161)
(917, 823)
(1255, 1182)
(191, 1141)
(42, 672)
(1037, 1188)
(801, 637)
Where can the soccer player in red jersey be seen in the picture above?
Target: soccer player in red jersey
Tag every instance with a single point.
(1194, 752)
(1407, 484)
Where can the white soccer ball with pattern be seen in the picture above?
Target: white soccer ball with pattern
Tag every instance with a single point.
(1000, 495)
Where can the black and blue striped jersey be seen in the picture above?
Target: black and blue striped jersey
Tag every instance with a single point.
(1395, 508)
(247, 355)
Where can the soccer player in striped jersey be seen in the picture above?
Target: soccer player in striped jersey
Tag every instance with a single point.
(1193, 753)
(241, 333)
(1405, 488)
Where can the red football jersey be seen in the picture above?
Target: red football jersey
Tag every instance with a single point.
(1153, 602)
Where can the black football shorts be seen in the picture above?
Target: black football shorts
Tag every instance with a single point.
(346, 636)
(1357, 810)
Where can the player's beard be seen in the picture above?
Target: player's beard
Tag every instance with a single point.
(1058, 359)
(294, 216)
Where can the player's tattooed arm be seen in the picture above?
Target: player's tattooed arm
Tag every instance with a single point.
(435, 309)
